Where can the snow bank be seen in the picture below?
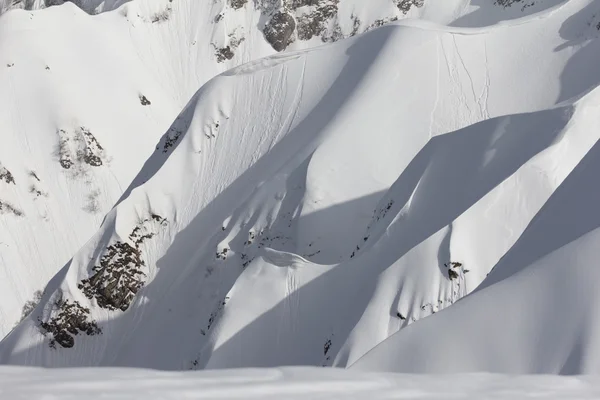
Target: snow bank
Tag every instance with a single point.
(295, 383)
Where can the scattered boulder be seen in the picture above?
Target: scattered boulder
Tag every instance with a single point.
(7, 208)
(144, 100)
(72, 319)
(224, 53)
(6, 176)
(279, 31)
(406, 5)
(237, 4)
(120, 275)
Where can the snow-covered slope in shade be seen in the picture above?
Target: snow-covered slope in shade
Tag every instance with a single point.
(302, 207)
(537, 311)
(288, 383)
(84, 100)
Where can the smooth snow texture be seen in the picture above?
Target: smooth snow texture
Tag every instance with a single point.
(310, 200)
(288, 383)
(122, 76)
(537, 311)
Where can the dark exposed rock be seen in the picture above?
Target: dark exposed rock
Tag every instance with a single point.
(120, 274)
(118, 278)
(237, 4)
(406, 5)
(144, 100)
(90, 153)
(79, 147)
(452, 274)
(295, 4)
(314, 23)
(171, 138)
(279, 31)
(9, 208)
(6, 176)
(33, 174)
(173, 134)
(224, 53)
(71, 320)
(217, 313)
(380, 22)
(162, 15)
(506, 3)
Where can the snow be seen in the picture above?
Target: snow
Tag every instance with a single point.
(288, 383)
(536, 312)
(63, 71)
(403, 200)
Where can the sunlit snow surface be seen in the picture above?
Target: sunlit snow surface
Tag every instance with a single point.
(296, 383)
(303, 207)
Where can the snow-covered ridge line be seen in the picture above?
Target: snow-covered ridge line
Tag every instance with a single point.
(461, 30)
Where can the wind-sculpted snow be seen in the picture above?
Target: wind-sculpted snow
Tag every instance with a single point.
(85, 99)
(317, 202)
(536, 311)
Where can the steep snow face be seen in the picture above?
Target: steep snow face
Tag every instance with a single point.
(85, 100)
(305, 206)
(288, 383)
(537, 310)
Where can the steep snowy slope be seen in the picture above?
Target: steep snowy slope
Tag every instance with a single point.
(302, 207)
(85, 100)
(537, 311)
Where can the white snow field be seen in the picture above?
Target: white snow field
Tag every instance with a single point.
(306, 206)
(85, 99)
(419, 197)
(283, 383)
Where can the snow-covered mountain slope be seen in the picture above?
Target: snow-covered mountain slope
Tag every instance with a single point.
(90, 6)
(62, 72)
(85, 100)
(287, 383)
(537, 311)
(306, 206)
